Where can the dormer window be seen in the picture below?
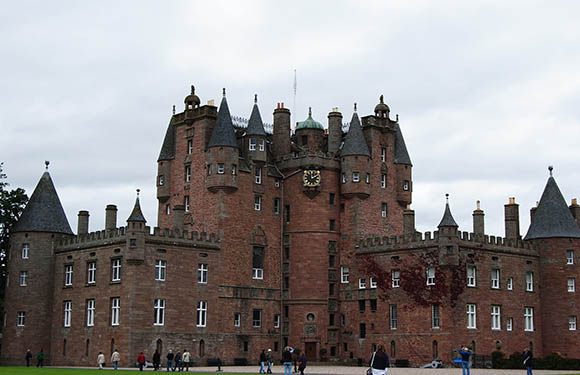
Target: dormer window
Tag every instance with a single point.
(252, 144)
(261, 145)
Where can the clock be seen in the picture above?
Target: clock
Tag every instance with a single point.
(311, 177)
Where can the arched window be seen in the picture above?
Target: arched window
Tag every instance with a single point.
(201, 348)
(87, 348)
(159, 346)
(531, 347)
(64, 348)
(473, 346)
(393, 349)
(435, 349)
(112, 345)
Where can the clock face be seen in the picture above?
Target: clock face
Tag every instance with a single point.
(311, 177)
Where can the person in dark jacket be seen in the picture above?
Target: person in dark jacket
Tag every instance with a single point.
(379, 361)
(28, 357)
(177, 361)
(156, 360)
(302, 363)
(263, 360)
(287, 360)
(170, 356)
(465, 354)
(40, 358)
(528, 360)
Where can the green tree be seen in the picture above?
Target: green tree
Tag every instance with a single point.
(12, 202)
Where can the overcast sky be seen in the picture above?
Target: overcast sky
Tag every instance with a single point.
(488, 93)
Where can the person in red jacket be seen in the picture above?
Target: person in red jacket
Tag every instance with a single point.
(141, 361)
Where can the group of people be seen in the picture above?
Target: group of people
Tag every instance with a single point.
(465, 353)
(177, 361)
(287, 356)
(39, 358)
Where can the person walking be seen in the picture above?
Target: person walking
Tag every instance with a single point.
(40, 358)
(528, 360)
(141, 361)
(115, 358)
(302, 363)
(465, 354)
(263, 360)
(379, 362)
(287, 361)
(177, 361)
(270, 360)
(186, 359)
(28, 357)
(170, 356)
(101, 360)
(156, 360)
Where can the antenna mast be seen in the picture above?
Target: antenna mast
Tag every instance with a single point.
(294, 105)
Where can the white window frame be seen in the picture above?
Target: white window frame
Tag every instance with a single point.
(393, 318)
(221, 168)
(495, 317)
(115, 310)
(431, 276)
(355, 177)
(395, 278)
(344, 275)
(202, 273)
(237, 319)
(25, 248)
(344, 178)
(471, 309)
(510, 283)
(189, 146)
(528, 319)
(92, 273)
(495, 277)
(252, 144)
(257, 273)
(277, 321)
(257, 323)
(435, 316)
(257, 203)
(23, 278)
(383, 210)
(160, 269)
(90, 312)
(529, 281)
(186, 205)
(277, 206)
(201, 314)
(471, 276)
(234, 169)
(161, 180)
(383, 181)
(572, 323)
(406, 185)
(258, 175)
(116, 269)
(20, 318)
(373, 282)
(368, 178)
(68, 274)
(362, 283)
(509, 324)
(383, 154)
(159, 312)
(67, 313)
(571, 285)
(261, 144)
(570, 257)
(188, 173)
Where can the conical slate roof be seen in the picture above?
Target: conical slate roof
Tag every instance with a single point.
(401, 154)
(43, 213)
(447, 220)
(137, 214)
(552, 217)
(255, 124)
(168, 148)
(354, 142)
(223, 134)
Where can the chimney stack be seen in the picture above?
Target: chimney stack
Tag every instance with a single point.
(575, 210)
(83, 223)
(408, 221)
(178, 214)
(111, 217)
(512, 219)
(478, 221)
(334, 131)
(281, 137)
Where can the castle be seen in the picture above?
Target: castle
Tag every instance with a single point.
(268, 237)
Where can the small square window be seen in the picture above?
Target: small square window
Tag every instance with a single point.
(355, 177)
(221, 169)
(431, 276)
(362, 283)
(252, 145)
(396, 278)
(257, 203)
(237, 319)
(258, 273)
(344, 274)
(383, 210)
(406, 185)
(383, 181)
(373, 282)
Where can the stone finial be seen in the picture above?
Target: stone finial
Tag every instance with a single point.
(224, 92)
(355, 107)
(46, 163)
(309, 111)
(138, 191)
(551, 168)
(447, 197)
(382, 99)
(192, 89)
(174, 109)
(397, 117)
(255, 98)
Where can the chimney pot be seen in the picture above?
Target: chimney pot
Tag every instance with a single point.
(83, 223)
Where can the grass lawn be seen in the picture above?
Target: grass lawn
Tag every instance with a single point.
(57, 371)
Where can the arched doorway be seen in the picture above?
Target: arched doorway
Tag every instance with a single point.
(159, 346)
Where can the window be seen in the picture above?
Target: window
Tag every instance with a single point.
(167, 209)
(510, 283)
(252, 145)
(276, 206)
(258, 175)
(495, 317)
(362, 283)
(221, 169)
(331, 260)
(257, 318)
(362, 330)
(25, 248)
(373, 282)
(23, 277)
(495, 279)
(406, 185)
(331, 199)
(383, 154)
(528, 319)
(396, 278)
(368, 178)
(257, 202)
(189, 146)
(116, 270)
(373, 302)
(90, 312)
(471, 316)
(201, 313)
(304, 139)
(509, 324)
(355, 177)
(331, 224)
(209, 169)
(383, 181)
(202, 273)
(258, 263)
(68, 275)
(67, 313)
(115, 310)
(344, 178)
(186, 205)
(435, 316)
(159, 312)
(261, 145)
(237, 319)
(161, 180)
(471, 276)
(277, 321)
(383, 209)
(431, 276)
(572, 323)
(344, 274)
(571, 284)
(20, 318)
(91, 272)
(234, 169)
(331, 289)
(569, 256)
(361, 305)
(393, 316)
(529, 281)
(160, 267)
(187, 173)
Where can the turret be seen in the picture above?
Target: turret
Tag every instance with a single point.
(478, 221)
(255, 136)
(355, 162)
(136, 231)
(222, 153)
(310, 134)
(447, 226)
(404, 167)
(281, 137)
(334, 131)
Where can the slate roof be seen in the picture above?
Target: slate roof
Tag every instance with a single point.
(168, 147)
(401, 154)
(137, 214)
(354, 142)
(223, 134)
(43, 213)
(552, 218)
(447, 220)
(255, 124)
(309, 123)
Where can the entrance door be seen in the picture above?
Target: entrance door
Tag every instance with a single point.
(311, 351)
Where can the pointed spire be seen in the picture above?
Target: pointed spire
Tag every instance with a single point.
(44, 212)
(354, 142)
(168, 147)
(552, 217)
(401, 153)
(447, 220)
(224, 133)
(255, 124)
(137, 214)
